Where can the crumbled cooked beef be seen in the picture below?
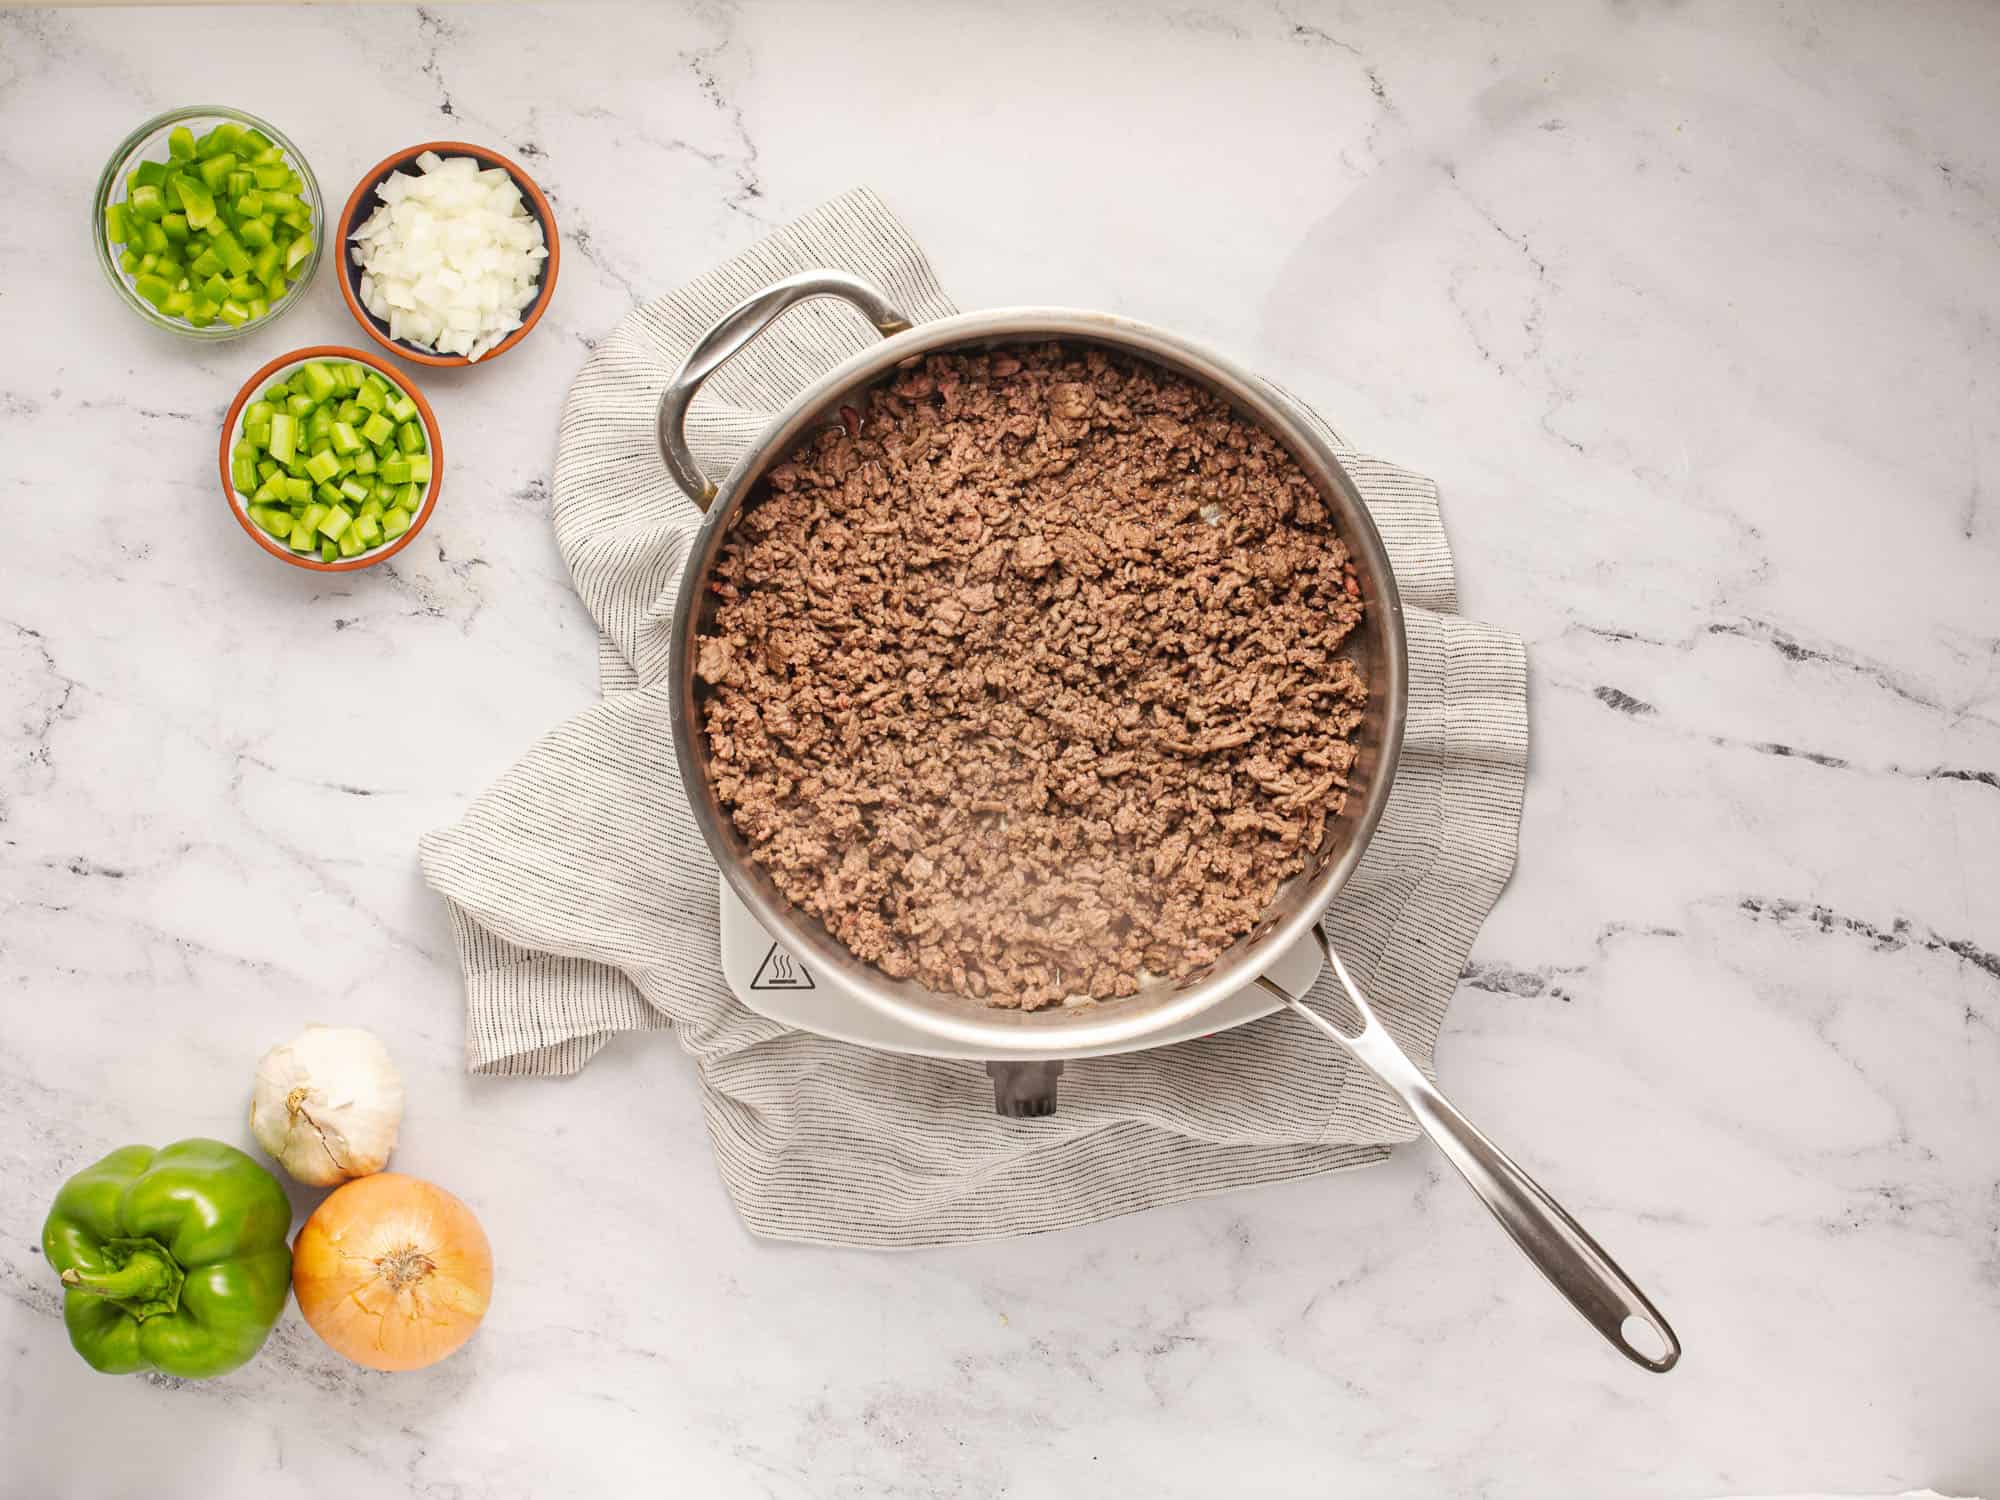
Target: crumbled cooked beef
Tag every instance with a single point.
(1026, 679)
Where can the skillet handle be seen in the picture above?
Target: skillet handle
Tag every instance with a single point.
(1559, 1247)
(726, 339)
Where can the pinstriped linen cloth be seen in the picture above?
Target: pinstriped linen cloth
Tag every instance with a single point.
(584, 903)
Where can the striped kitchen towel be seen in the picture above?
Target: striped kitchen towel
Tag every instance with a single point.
(584, 903)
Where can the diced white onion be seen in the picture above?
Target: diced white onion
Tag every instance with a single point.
(451, 257)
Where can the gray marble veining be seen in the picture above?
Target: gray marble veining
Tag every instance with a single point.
(1694, 312)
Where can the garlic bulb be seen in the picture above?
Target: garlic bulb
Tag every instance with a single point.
(327, 1104)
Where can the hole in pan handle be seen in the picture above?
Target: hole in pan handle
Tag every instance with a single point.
(1559, 1247)
(735, 329)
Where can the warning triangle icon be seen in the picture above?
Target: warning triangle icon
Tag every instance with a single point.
(780, 971)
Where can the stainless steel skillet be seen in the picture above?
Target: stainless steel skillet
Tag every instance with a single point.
(1557, 1245)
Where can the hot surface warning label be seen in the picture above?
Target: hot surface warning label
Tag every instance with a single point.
(780, 971)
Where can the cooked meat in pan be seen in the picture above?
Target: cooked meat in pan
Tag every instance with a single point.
(1028, 680)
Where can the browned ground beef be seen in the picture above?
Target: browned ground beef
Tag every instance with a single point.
(1028, 678)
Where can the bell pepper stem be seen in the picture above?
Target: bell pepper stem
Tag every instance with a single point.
(147, 1282)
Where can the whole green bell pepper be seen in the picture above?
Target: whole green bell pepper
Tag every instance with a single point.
(175, 1260)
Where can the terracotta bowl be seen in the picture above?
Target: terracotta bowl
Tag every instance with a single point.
(281, 369)
(362, 202)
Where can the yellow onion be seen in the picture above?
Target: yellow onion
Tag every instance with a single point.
(392, 1272)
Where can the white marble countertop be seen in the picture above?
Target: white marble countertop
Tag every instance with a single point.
(1694, 312)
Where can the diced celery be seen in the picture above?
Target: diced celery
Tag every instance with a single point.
(266, 467)
(420, 468)
(284, 436)
(243, 474)
(322, 466)
(396, 470)
(317, 380)
(276, 392)
(395, 521)
(336, 520)
(349, 411)
(354, 489)
(328, 549)
(304, 538)
(298, 490)
(272, 518)
(372, 398)
(326, 494)
(410, 437)
(351, 544)
(368, 528)
(412, 497)
(378, 429)
(364, 461)
(298, 403)
(345, 439)
(319, 428)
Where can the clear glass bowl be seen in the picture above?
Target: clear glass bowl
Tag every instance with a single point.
(149, 143)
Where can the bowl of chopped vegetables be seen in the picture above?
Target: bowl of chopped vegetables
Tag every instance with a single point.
(449, 253)
(208, 222)
(330, 459)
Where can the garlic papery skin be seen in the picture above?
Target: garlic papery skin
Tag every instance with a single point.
(327, 1104)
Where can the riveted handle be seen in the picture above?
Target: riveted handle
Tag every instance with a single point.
(1560, 1248)
(726, 339)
